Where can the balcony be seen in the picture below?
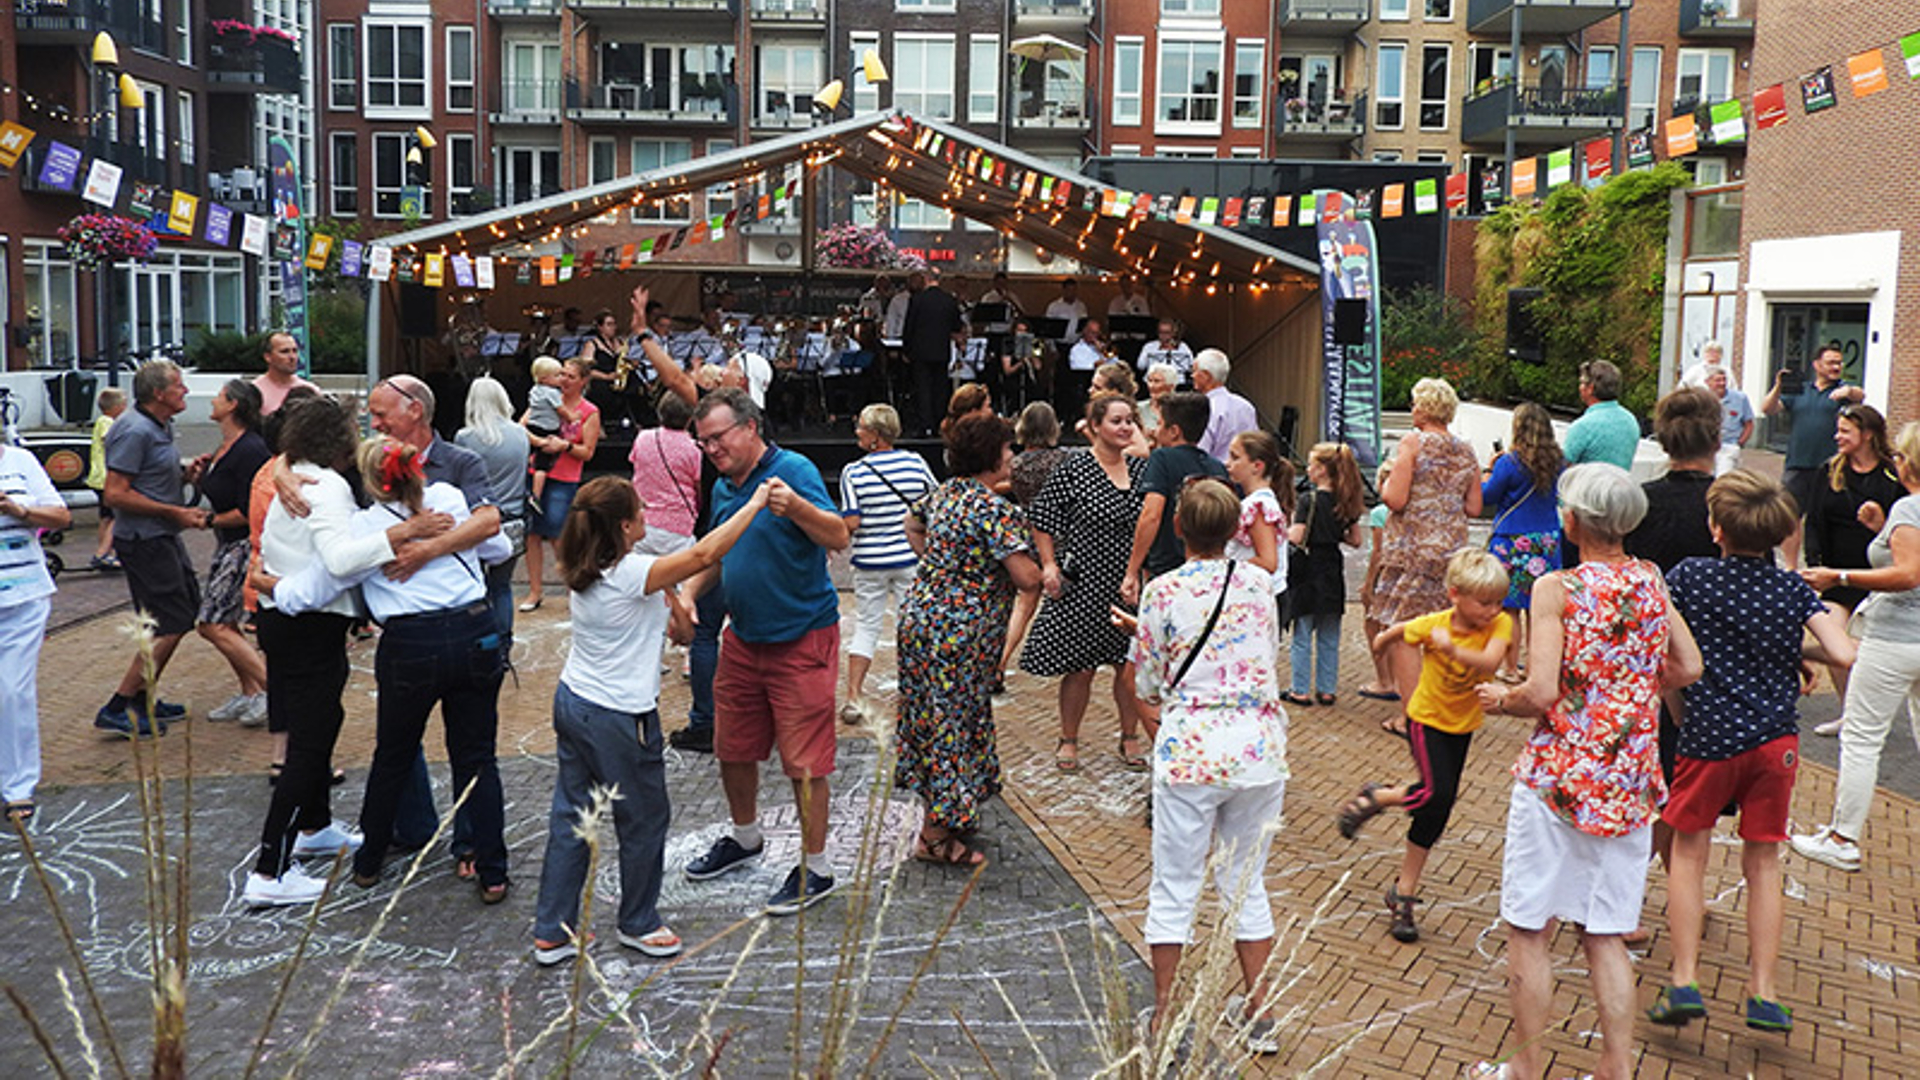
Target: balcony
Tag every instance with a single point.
(1324, 16)
(790, 12)
(252, 63)
(45, 22)
(688, 7)
(243, 190)
(523, 9)
(1078, 11)
(526, 101)
(1727, 20)
(1536, 115)
(137, 164)
(696, 101)
(1052, 114)
(1540, 17)
(1336, 119)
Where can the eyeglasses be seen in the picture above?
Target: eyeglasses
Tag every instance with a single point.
(708, 442)
(399, 389)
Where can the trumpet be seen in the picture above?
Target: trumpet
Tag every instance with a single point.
(622, 369)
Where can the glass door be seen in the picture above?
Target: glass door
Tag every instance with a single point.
(1799, 332)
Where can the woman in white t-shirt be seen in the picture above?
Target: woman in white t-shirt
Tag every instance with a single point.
(606, 716)
(28, 503)
(1254, 465)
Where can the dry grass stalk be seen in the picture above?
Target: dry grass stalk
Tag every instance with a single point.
(87, 1053)
(1039, 1056)
(926, 962)
(587, 827)
(857, 949)
(293, 967)
(985, 1061)
(166, 923)
(39, 1033)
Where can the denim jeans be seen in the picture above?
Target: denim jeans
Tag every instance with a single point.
(452, 659)
(306, 678)
(1316, 653)
(600, 747)
(703, 656)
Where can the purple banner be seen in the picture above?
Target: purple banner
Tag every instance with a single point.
(350, 258)
(62, 167)
(219, 225)
(1349, 269)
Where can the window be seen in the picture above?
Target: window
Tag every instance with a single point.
(1705, 76)
(923, 5)
(462, 171)
(1600, 67)
(389, 172)
(1439, 10)
(789, 74)
(651, 154)
(1435, 65)
(1126, 149)
(185, 127)
(343, 67)
(343, 173)
(1643, 88)
(866, 95)
(1386, 155)
(397, 70)
(1195, 152)
(1249, 67)
(1189, 90)
(153, 121)
(1244, 152)
(1708, 172)
(183, 31)
(1390, 91)
(1129, 57)
(52, 336)
(1393, 10)
(1431, 157)
(983, 78)
(459, 69)
(1190, 8)
(719, 196)
(914, 214)
(528, 172)
(533, 77)
(1491, 64)
(600, 160)
(923, 74)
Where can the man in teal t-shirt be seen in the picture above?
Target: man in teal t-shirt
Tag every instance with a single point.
(1811, 414)
(1606, 431)
(780, 655)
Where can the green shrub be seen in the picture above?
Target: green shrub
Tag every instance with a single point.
(337, 330)
(228, 351)
(1425, 332)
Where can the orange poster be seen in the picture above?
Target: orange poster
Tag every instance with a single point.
(1868, 74)
(1683, 136)
(1392, 198)
(1526, 177)
(549, 270)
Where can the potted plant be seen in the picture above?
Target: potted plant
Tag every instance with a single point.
(1296, 108)
(97, 240)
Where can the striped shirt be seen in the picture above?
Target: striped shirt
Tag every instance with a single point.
(880, 543)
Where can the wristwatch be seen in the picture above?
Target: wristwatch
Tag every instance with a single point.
(1844, 583)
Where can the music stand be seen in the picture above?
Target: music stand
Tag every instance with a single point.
(997, 316)
(569, 347)
(1136, 328)
(1050, 329)
(498, 344)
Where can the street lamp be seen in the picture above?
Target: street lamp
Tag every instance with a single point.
(413, 202)
(827, 98)
(119, 88)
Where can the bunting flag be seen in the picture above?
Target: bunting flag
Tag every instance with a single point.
(1426, 196)
(350, 253)
(1184, 213)
(1683, 136)
(61, 167)
(103, 183)
(1770, 107)
(1525, 177)
(319, 248)
(253, 238)
(549, 270)
(1909, 51)
(1363, 204)
(14, 139)
(1282, 211)
(1307, 209)
(1559, 168)
(1230, 213)
(1599, 160)
(1729, 124)
(1816, 90)
(1866, 73)
(462, 271)
(1392, 199)
(1493, 184)
(524, 275)
(182, 211)
(219, 230)
(1457, 192)
(483, 272)
(626, 250)
(1209, 210)
(1640, 148)
(379, 263)
(435, 272)
(1257, 210)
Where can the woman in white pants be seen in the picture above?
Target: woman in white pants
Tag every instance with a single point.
(876, 494)
(1886, 673)
(28, 503)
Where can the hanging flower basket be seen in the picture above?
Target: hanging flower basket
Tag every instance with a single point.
(233, 32)
(96, 240)
(862, 247)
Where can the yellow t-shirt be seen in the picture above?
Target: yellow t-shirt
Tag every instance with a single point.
(1444, 700)
(97, 460)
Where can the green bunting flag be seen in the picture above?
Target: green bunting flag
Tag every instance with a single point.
(1426, 196)
(1728, 124)
(1559, 171)
(1910, 51)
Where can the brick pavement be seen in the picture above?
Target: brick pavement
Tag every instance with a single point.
(1373, 1006)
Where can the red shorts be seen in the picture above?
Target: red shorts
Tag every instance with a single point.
(778, 695)
(1760, 781)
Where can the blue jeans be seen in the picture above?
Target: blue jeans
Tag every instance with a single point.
(1316, 644)
(703, 656)
(595, 747)
(416, 820)
(451, 659)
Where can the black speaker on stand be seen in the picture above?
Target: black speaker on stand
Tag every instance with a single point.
(419, 314)
(1349, 322)
(1523, 334)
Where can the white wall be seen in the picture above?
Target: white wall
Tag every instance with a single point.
(1841, 268)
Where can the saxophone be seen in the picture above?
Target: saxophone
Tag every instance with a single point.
(622, 368)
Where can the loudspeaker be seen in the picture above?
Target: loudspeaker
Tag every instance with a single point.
(419, 317)
(1523, 335)
(1349, 322)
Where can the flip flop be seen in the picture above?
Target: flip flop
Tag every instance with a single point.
(1134, 762)
(1378, 695)
(1297, 699)
(1062, 761)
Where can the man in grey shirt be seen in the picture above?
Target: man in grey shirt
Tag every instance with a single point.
(145, 488)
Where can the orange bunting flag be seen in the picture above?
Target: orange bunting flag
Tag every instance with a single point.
(1683, 136)
(1393, 200)
(549, 270)
(1526, 177)
(1867, 73)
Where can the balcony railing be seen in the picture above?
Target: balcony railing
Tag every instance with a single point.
(527, 101)
(49, 22)
(523, 9)
(1335, 119)
(1717, 18)
(1053, 9)
(1340, 16)
(1054, 113)
(801, 11)
(515, 194)
(253, 63)
(694, 7)
(133, 159)
(1537, 114)
(1560, 19)
(692, 100)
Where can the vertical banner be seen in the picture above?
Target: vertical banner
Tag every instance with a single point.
(1349, 266)
(1526, 176)
(1559, 168)
(1599, 162)
(1770, 106)
(293, 272)
(1457, 193)
(1683, 136)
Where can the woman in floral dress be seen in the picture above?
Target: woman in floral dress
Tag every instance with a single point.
(1431, 492)
(975, 551)
(1606, 641)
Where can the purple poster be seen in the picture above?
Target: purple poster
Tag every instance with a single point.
(350, 258)
(219, 225)
(61, 168)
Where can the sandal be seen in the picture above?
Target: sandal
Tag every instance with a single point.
(20, 810)
(1403, 928)
(1297, 699)
(949, 850)
(1359, 810)
(1377, 695)
(493, 894)
(1324, 699)
(1395, 725)
(1067, 762)
(466, 868)
(1136, 761)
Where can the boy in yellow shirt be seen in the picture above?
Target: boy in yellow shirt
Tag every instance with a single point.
(1460, 648)
(112, 403)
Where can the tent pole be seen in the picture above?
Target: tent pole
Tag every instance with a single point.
(809, 224)
(376, 326)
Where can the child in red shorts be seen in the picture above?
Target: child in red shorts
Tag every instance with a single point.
(1739, 741)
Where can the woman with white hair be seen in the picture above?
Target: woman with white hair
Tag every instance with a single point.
(1605, 642)
(1736, 415)
(1162, 379)
(503, 446)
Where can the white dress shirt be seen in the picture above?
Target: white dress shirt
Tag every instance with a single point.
(448, 582)
(324, 539)
(1176, 354)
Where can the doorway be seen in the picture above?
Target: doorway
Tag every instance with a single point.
(1798, 331)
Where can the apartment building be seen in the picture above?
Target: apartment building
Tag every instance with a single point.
(215, 79)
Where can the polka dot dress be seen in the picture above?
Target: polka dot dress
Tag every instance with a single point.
(1091, 522)
(1746, 615)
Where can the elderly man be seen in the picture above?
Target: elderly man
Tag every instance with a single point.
(1167, 348)
(1812, 414)
(780, 655)
(1736, 418)
(1232, 414)
(282, 357)
(144, 488)
(1606, 431)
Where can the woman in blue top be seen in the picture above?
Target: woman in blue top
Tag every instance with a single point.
(1520, 488)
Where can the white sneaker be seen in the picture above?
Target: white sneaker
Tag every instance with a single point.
(291, 887)
(1830, 728)
(1824, 847)
(332, 840)
(255, 713)
(231, 709)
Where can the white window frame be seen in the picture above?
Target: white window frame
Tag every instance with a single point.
(1380, 96)
(335, 189)
(920, 216)
(1386, 155)
(1476, 51)
(183, 32)
(718, 198)
(1256, 100)
(983, 78)
(504, 173)
(657, 211)
(395, 143)
(866, 95)
(1126, 149)
(1586, 66)
(542, 84)
(1190, 9)
(1195, 153)
(1129, 63)
(1704, 58)
(1395, 10)
(183, 115)
(1446, 89)
(454, 140)
(928, 94)
(924, 6)
(788, 80)
(343, 87)
(1648, 88)
(1427, 15)
(469, 84)
(1430, 157)
(1244, 152)
(422, 111)
(611, 146)
(1191, 41)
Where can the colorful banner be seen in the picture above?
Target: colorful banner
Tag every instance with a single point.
(1393, 200)
(284, 167)
(1770, 106)
(14, 140)
(182, 211)
(1683, 136)
(219, 225)
(103, 183)
(1349, 266)
(1426, 196)
(1640, 148)
(1910, 52)
(1729, 125)
(1559, 168)
(435, 273)
(319, 250)
(1526, 177)
(1816, 90)
(1457, 193)
(1493, 184)
(253, 235)
(463, 271)
(483, 272)
(1307, 216)
(1599, 161)
(1866, 73)
(350, 256)
(379, 263)
(61, 167)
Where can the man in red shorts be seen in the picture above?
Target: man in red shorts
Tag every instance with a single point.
(780, 655)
